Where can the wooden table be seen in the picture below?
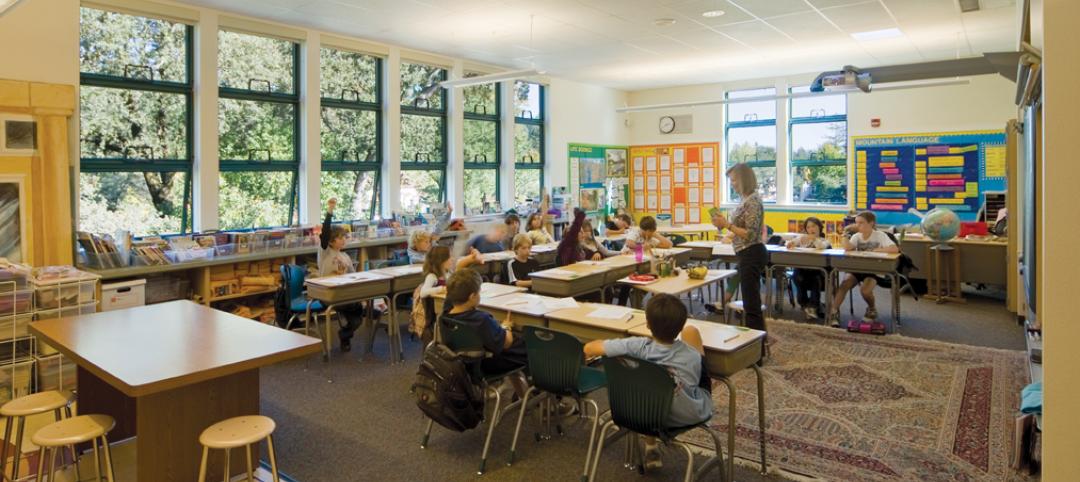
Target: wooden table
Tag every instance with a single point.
(577, 322)
(167, 371)
(689, 230)
(572, 280)
(677, 285)
(351, 288)
(544, 254)
(798, 258)
(981, 262)
(403, 281)
(711, 251)
(488, 291)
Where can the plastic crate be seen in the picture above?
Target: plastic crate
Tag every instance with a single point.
(16, 326)
(160, 289)
(54, 373)
(50, 295)
(16, 302)
(192, 254)
(13, 277)
(16, 380)
(16, 350)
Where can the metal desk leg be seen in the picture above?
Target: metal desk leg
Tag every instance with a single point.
(826, 279)
(895, 291)
(731, 428)
(761, 414)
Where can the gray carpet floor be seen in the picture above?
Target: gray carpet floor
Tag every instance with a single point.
(365, 425)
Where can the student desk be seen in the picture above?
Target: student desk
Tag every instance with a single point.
(350, 288)
(689, 230)
(572, 280)
(404, 280)
(167, 371)
(711, 250)
(494, 263)
(577, 322)
(681, 255)
(488, 291)
(984, 262)
(527, 309)
(677, 285)
(882, 264)
(728, 350)
(798, 258)
(544, 254)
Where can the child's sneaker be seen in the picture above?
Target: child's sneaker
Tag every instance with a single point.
(834, 320)
(811, 313)
(871, 313)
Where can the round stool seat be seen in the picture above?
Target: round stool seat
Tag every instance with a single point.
(43, 402)
(82, 428)
(237, 432)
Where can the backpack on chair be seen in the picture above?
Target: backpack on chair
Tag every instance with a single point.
(444, 390)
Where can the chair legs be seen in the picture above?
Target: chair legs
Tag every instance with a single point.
(517, 428)
(599, 448)
(592, 435)
(491, 430)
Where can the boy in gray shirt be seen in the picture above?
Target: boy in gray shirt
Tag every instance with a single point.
(676, 346)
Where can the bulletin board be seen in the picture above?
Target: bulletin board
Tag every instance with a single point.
(948, 169)
(598, 177)
(678, 180)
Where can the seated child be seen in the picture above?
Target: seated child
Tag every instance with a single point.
(332, 261)
(589, 247)
(436, 268)
(492, 242)
(462, 298)
(535, 228)
(619, 224)
(645, 235)
(676, 346)
(420, 240)
(521, 266)
(809, 282)
(866, 238)
(513, 227)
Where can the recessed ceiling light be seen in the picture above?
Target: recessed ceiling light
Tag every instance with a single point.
(664, 22)
(878, 34)
(712, 13)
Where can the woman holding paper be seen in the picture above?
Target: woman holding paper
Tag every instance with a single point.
(745, 225)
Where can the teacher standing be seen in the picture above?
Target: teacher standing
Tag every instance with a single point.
(746, 224)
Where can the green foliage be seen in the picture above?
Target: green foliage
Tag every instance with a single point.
(481, 141)
(114, 201)
(112, 43)
(527, 184)
(348, 76)
(527, 100)
(481, 99)
(528, 139)
(421, 189)
(480, 187)
(822, 183)
(422, 138)
(354, 190)
(415, 78)
(247, 125)
(256, 199)
(243, 58)
(349, 135)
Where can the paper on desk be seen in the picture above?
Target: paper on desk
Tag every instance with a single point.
(556, 272)
(868, 254)
(611, 313)
(723, 250)
(559, 303)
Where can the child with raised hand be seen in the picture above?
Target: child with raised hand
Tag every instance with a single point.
(420, 240)
(332, 261)
(534, 227)
(675, 346)
(809, 282)
(866, 238)
(521, 266)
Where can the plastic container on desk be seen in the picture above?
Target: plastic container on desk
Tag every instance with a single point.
(54, 373)
(102, 260)
(14, 302)
(54, 293)
(225, 249)
(16, 380)
(193, 254)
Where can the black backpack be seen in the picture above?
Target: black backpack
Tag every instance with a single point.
(282, 308)
(444, 390)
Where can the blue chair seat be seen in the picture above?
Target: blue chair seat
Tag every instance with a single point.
(299, 305)
(591, 379)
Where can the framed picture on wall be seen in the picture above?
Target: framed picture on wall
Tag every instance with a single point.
(18, 135)
(13, 218)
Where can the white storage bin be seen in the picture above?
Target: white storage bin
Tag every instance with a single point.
(125, 294)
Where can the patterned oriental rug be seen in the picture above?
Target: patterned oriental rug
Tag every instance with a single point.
(855, 407)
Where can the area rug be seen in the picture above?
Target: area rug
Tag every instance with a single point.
(856, 407)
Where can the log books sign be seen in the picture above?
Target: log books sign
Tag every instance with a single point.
(681, 180)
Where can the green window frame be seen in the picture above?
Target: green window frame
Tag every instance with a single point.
(259, 158)
(425, 103)
(806, 164)
(120, 152)
(526, 123)
(751, 122)
(477, 115)
(355, 101)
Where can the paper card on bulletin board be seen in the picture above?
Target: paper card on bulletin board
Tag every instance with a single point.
(650, 164)
(707, 196)
(693, 175)
(652, 201)
(665, 163)
(680, 215)
(695, 215)
(692, 195)
(708, 175)
(706, 155)
(680, 175)
(639, 199)
(665, 202)
(639, 182)
(693, 156)
(639, 164)
(665, 183)
(651, 183)
(680, 156)
(680, 195)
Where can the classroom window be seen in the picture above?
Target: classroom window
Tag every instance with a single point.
(818, 143)
(135, 120)
(482, 150)
(423, 136)
(351, 131)
(529, 154)
(750, 133)
(257, 130)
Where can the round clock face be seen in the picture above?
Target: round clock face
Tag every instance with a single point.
(667, 124)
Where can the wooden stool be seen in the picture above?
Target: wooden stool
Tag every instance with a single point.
(238, 432)
(68, 433)
(22, 407)
(944, 274)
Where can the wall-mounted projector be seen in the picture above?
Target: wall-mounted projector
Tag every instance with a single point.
(848, 79)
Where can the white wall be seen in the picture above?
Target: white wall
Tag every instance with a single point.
(581, 113)
(39, 42)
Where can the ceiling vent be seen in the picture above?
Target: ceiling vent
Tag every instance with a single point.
(968, 5)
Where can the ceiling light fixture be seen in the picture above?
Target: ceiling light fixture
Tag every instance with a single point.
(664, 22)
(712, 13)
(6, 4)
(490, 78)
(885, 33)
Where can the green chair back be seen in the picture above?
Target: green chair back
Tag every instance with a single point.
(639, 394)
(555, 360)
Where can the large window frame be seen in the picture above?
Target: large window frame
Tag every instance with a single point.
(814, 161)
(423, 108)
(252, 164)
(748, 122)
(357, 164)
(130, 81)
(475, 162)
(536, 120)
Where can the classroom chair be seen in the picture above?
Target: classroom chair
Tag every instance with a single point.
(70, 432)
(639, 396)
(557, 368)
(16, 411)
(676, 239)
(300, 307)
(464, 340)
(237, 432)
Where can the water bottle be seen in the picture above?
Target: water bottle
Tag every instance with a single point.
(639, 252)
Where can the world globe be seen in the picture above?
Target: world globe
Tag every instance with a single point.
(941, 225)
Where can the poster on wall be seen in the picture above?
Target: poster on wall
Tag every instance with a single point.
(895, 173)
(598, 177)
(681, 178)
(13, 218)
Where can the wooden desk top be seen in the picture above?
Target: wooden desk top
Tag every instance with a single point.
(497, 257)
(489, 291)
(715, 336)
(706, 243)
(619, 261)
(349, 278)
(150, 349)
(544, 248)
(580, 316)
(677, 285)
(999, 241)
(398, 271)
(570, 272)
(523, 303)
(841, 253)
(686, 228)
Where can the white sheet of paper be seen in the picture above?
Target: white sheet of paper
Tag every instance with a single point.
(680, 215)
(559, 303)
(708, 175)
(665, 163)
(665, 183)
(693, 175)
(651, 184)
(680, 175)
(665, 202)
(611, 313)
(692, 195)
(639, 182)
(706, 155)
(707, 196)
(680, 156)
(639, 199)
(723, 250)
(650, 164)
(652, 201)
(639, 164)
(695, 216)
(556, 272)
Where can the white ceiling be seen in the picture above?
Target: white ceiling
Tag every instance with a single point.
(615, 42)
